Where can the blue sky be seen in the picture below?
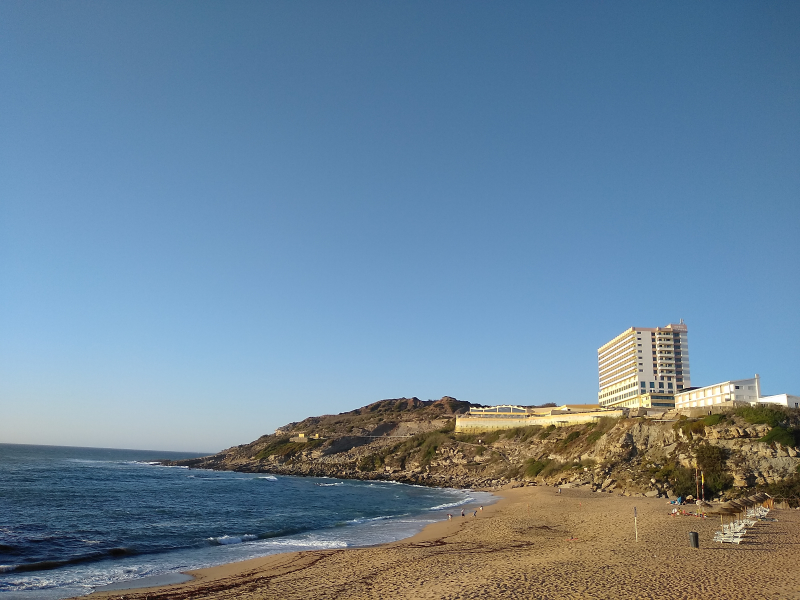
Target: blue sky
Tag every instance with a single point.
(217, 218)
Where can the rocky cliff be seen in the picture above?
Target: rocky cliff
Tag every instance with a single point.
(413, 441)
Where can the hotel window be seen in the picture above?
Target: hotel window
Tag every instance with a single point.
(669, 385)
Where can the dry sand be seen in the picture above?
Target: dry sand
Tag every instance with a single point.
(534, 543)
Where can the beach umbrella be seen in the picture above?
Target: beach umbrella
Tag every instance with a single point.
(746, 502)
(741, 508)
(735, 506)
(754, 499)
(721, 510)
(738, 507)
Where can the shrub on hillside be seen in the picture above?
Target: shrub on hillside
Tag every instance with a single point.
(422, 445)
(285, 448)
(545, 433)
(680, 479)
(534, 467)
(428, 449)
(571, 437)
(690, 427)
(371, 462)
(554, 467)
(711, 461)
(594, 436)
(449, 427)
(783, 436)
(606, 423)
(602, 426)
(711, 420)
(523, 434)
(762, 415)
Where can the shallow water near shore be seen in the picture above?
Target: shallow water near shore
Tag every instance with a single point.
(74, 519)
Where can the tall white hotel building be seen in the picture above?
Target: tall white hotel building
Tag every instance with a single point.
(644, 367)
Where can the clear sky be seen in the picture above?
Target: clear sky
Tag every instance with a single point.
(220, 217)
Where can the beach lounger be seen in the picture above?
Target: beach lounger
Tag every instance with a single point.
(731, 538)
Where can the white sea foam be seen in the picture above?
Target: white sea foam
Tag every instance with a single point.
(452, 504)
(300, 543)
(232, 539)
(330, 484)
(268, 477)
(381, 518)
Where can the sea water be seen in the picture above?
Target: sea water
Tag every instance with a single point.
(74, 519)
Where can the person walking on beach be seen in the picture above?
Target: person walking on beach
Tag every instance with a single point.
(462, 512)
(449, 517)
(474, 513)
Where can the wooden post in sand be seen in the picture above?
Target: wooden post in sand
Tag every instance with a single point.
(635, 525)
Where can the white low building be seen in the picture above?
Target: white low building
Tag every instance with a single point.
(741, 390)
(786, 400)
(728, 392)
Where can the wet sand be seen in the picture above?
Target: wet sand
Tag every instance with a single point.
(533, 543)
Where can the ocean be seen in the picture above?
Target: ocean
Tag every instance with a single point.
(74, 519)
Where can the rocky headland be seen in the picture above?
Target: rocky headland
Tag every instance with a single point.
(413, 441)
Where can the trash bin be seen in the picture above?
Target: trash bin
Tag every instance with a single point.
(694, 540)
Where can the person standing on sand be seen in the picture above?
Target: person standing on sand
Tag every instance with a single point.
(462, 512)
(449, 517)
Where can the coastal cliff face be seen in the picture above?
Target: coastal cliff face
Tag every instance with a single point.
(412, 441)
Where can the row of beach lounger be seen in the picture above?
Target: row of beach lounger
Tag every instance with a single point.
(736, 530)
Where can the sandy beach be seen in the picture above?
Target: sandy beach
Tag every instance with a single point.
(533, 543)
